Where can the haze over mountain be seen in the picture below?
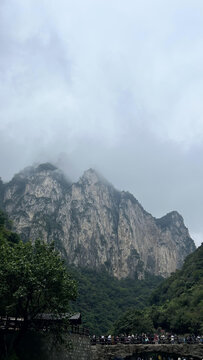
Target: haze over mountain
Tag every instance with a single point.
(115, 86)
(93, 224)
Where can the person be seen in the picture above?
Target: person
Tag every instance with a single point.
(117, 339)
(94, 340)
(156, 339)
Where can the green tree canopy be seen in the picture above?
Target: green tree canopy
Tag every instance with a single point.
(134, 321)
(33, 279)
(176, 305)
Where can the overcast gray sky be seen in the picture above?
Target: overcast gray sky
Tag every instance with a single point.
(110, 84)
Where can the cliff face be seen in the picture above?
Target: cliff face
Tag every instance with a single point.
(93, 224)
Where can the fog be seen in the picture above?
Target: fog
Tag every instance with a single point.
(112, 85)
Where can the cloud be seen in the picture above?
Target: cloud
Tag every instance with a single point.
(113, 85)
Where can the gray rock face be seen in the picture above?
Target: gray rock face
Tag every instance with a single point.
(93, 224)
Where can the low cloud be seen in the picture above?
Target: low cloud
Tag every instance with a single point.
(110, 85)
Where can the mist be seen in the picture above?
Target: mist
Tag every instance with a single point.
(110, 85)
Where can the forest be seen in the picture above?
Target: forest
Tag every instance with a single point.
(175, 306)
(34, 279)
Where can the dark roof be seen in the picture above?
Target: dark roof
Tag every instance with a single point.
(76, 316)
(69, 316)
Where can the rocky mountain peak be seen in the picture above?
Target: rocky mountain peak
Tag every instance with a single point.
(174, 216)
(29, 171)
(92, 177)
(39, 174)
(46, 167)
(172, 219)
(93, 224)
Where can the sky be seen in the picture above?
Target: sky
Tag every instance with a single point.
(109, 84)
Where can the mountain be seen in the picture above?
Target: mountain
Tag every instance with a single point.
(97, 290)
(179, 299)
(176, 304)
(93, 224)
(102, 299)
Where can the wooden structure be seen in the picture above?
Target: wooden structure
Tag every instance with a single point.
(70, 322)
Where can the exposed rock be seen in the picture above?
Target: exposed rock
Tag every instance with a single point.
(94, 224)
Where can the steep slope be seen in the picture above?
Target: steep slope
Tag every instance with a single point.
(103, 298)
(32, 199)
(94, 224)
(179, 298)
(97, 290)
(176, 304)
(182, 282)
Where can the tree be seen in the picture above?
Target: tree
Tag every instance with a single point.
(134, 321)
(33, 280)
(179, 299)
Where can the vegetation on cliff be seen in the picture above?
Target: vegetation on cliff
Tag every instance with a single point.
(102, 298)
(178, 301)
(176, 304)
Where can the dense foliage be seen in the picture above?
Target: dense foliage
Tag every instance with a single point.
(33, 278)
(102, 298)
(134, 321)
(5, 230)
(176, 304)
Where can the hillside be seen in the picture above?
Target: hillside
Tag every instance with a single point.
(179, 299)
(6, 232)
(93, 224)
(102, 298)
(176, 304)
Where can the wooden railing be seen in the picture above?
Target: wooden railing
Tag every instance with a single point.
(10, 323)
(14, 324)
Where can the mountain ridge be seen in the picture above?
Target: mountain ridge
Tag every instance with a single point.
(93, 224)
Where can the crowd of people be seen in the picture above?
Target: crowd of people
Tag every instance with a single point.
(146, 339)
